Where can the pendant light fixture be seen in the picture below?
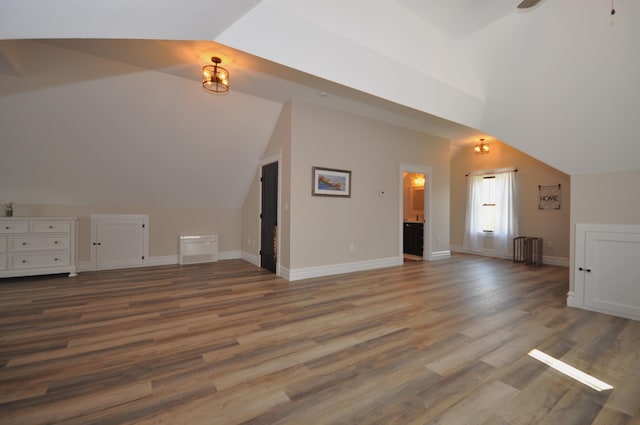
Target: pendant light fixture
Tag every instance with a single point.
(481, 147)
(214, 77)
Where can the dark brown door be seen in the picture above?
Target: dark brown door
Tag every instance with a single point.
(269, 217)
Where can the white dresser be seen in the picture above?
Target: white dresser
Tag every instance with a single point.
(38, 245)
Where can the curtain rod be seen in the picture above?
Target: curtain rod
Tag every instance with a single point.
(496, 171)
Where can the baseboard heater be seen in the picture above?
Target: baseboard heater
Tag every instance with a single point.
(198, 249)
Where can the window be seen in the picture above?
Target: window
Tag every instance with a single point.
(491, 211)
(488, 210)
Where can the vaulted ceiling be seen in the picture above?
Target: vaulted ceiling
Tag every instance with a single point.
(558, 81)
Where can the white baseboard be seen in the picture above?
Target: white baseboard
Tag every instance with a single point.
(320, 271)
(161, 261)
(572, 301)
(484, 253)
(440, 254)
(284, 273)
(555, 261)
(551, 261)
(250, 258)
(86, 266)
(230, 255)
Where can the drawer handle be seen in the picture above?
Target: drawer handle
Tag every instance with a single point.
(55, 259)
(55, 242)
(7, 227)
(24, 243)
(24, 261)
(50, 227)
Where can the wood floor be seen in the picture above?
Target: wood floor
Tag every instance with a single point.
(225, 343)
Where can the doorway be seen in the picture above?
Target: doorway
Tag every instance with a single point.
(269, 217)
(413, 216)
(415, 212)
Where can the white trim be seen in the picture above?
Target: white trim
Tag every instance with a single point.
(85, 266)
(483, 253)
(440, 254)
(162, 261)
(166, 260)
(333, 269)
(548, 260)
(428, 213)
(577, 297)
(230, 255)
(609, 228)
(94, 218)
(601, 310)
(555, 261)
(285, 273)
(250, 258)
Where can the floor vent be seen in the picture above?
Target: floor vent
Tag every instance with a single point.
(198, 249)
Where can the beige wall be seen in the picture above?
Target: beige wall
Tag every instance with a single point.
(250, 220)
(279, 146)
(165, 224)
(611, 198)
(324, 229)
(112, 138)
(320, 231)
(551, 225)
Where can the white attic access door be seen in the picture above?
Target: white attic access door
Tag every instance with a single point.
(606, 275)
(119, 241)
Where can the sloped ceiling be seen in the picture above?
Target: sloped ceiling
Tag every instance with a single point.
(558, 81)
(95, 131)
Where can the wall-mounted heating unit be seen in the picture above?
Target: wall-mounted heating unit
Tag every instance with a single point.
(198, 249)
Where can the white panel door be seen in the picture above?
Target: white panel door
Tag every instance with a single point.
(119, 241)
(612, 273)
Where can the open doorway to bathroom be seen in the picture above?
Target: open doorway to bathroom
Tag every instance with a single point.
(413, 216)
(414, 212)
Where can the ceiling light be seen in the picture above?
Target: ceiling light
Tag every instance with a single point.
(214, 77)
(481, 147)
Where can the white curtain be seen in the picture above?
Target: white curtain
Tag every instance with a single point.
(506, 225)
(473, 231)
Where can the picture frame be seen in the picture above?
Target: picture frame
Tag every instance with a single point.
(330, 182)
(549, 197)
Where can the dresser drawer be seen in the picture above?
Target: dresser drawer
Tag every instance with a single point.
(31, 246)
(29, 261)
(13, 226)
(38, 243)
(51, 226)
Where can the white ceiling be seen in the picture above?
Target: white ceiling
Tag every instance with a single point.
(459, 19)
(558, 81)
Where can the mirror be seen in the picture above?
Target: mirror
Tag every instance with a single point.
(416, 200)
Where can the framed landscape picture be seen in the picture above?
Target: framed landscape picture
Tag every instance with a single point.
(330, 182)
